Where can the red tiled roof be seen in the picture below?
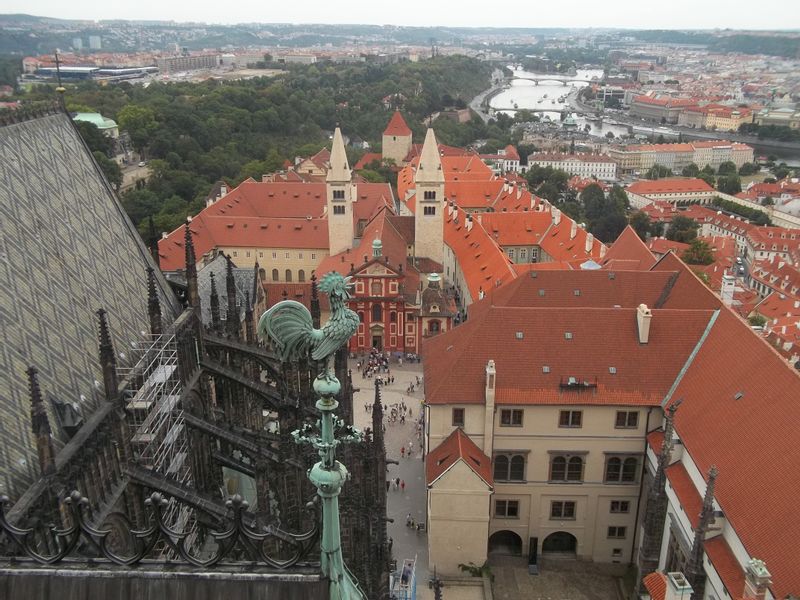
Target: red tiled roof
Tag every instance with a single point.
(516, 228)
(457, 446)
(397, 125)
(655, 440)
(522, 341)
(301, 292)
(656, 585)
(661, 245)
(367, 159)
(629, 247)
(563, 157)
(669, 186)
(724, 410)
(685, 490)
(725, 564)
(687, 291)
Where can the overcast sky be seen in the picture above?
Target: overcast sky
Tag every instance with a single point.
(648, 14)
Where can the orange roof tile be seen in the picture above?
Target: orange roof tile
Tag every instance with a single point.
(457, 446)
(397, 125)
(630, 247)
(656, 585)
(367, 159)
(685, 490)
(725, 564)
(669, 185)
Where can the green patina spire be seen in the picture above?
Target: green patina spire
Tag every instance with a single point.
(289, 326)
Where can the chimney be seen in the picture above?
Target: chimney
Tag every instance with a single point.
(756, 579)
(678, 587)
(223, 191)
(643, 316)
(505, 185)
(556, 216)
(573, 230)
(589, 242)
(451, 208)
(469, 222)
(728, 288)
(488, 418)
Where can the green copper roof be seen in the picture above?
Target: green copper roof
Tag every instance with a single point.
(96, 119)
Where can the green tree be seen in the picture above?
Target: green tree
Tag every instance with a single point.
(768, 201)
(748, 169)
(757, 320)
(708, 178)
(139, 122)
(640, 221)
(93, 137)
(658, 171)
(727, 168)
(698, 253)
(594, 202)
(110, 169)
(730, 184)
(691, 170)
(682, 229)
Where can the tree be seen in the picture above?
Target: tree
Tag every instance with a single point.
(768, 201)
(610, 135)
(748, 169)
(93, 137)
(698, 253)
(594, 201)
(727, 168)
(110, 169)
(730, 184)
(139, 122)
(658, 171)
(682, 229)
(691, 170)
(548, 191)
(757, 320)
(640, 221)
(708, 178)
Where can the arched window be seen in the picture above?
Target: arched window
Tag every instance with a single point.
(262, 273)
(629, 468)
(376, 289)
(517, 471)
(392, 317)
(377, 312)
(289, 275)
(361, 316)
(301, 275)
(275, 275)
(558, 469)
(575, 469)
(501, 467)
(613, 469)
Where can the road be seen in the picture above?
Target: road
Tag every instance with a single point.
(132, 174)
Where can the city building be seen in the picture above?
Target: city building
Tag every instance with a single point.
(639, 158)
(716, 117)
(785, 116)
(396, 139)
(599, 166)
(505, 160)
(174, 64)
(107, 127)
(659, 109)
(677, 191)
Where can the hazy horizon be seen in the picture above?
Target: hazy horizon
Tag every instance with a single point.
(582, 14)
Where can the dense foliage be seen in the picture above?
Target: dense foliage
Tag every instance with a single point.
(682, 229)
(771, 132)
(698, 253)
(752, 214)
(774, 45)
(194, 134)
(10, 69)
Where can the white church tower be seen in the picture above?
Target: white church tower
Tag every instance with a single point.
(430, 202)
(339, 198)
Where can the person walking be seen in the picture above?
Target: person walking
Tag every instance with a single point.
(402, 485)
(402, 452)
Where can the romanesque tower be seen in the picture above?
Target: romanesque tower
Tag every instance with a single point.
(430, 202)
(396, 140)
(339, 190)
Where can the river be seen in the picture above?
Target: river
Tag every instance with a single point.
(550, 95)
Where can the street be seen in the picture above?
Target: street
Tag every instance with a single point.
(407, 542)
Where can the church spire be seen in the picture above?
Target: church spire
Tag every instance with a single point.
(430, 164)
(232, 315)
(153, 304)
(108, 361)
(192, 294)
(340, 169)
(41, 426)
(695, 571)
(214, 305)
(250, 331)
(315, 310)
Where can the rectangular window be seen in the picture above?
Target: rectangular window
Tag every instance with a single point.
(429, 210)
(458, 417)
(286, 255)
(248, 254)
(627, 419)
(313, 256)
(260, 255)
(338, 194)
(506, 509)
(300, 256)
(616, 533)
(621, 469)
(274, 255)
(562, 509)
(620, 506)
(511, 417)
(235, 253)
(430, 195)
(338, 210)
(570, 418)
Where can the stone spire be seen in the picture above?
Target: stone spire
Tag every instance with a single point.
(315, 310)
(153, 304)
(657, 501)
(41, 426)
(340, 169)
(377, 414)
(151, 233)
(695, 573)
(214, 304)
(232, 315)
(192, 295)
(250, 331)
(430, 164)
(108, 361)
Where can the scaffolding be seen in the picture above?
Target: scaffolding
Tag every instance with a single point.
(403, 583)
(155, 417)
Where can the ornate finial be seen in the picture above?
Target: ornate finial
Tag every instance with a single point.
(40, 424)
(248, 319)
(695, 570)
(377, 412)
(108, 360)
(214, 304)
(193, 297)
(232, 314)
(316, 313)
(153, 304)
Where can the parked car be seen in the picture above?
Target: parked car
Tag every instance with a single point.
(142, 163)
(741, 269)
(738, 260)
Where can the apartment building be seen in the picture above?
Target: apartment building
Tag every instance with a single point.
(600, 166)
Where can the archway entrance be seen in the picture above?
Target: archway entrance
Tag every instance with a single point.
(560, 542)
(376, 331)
(505, 542)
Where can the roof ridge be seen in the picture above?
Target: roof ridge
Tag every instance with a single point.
(690, 359)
